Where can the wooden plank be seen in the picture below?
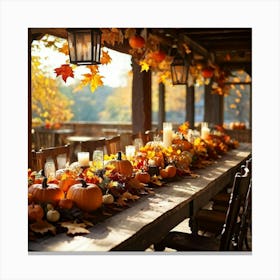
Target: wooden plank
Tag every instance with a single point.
(151, 217)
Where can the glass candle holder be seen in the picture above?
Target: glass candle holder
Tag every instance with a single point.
(49, 169)
(83, 158)
(98, 159)
(138, 143)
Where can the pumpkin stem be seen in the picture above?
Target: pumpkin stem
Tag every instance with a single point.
(119, 156)
(44, 183)
(84, 183)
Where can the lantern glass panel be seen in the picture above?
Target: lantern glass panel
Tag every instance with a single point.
(84, 46)
(179, 72)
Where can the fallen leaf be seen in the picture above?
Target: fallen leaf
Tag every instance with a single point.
(75, 228)
(130, 196)
(43, 227)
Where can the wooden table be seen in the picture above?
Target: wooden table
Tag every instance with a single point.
(75, 142)
(152, 216)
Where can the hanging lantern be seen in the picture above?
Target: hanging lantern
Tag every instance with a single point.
(180, 70)
(84, 46)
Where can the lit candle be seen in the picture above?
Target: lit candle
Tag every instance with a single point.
(167, 134)
(130, 151)
(205, 131)
(83, 158)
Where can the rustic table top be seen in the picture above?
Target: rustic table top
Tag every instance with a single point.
(152, 216)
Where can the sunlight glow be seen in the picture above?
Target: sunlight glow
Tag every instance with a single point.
(116, 73)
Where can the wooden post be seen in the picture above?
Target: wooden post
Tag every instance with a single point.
(213, 107)
(29, 101)
(190, 105)
(141, 99)
(161, 105)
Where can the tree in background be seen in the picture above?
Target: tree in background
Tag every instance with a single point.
(49, 105)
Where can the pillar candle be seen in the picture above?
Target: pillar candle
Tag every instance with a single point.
(167, 134)
(83, 158)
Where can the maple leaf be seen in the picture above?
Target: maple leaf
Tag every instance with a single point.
(64, 49)
(94, 69)
(75, 228)
(121, 201)
(105, 59)
(96, 82)
(144, 66)
(156, 181)
(128, 195)
(129, 32)
(65, 71)
(43, 227)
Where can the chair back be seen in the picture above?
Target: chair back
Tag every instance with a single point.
(238, 195)
(43, 138)
(113, 145)
(60, 156)
(92, 145)
(244, 223)
(126, 139)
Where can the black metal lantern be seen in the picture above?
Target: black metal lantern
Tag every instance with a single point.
(84, 45)
(180, 70)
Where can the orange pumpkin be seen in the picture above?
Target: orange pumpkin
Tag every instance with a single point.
(171, 170)
(207, 72)
(136, 42)
(46, 193)
(65, 203)
(163, 173)
(35, 212)
(67, 182)
(122, 166)
(88, 197)
(143, 177)
(158, 56)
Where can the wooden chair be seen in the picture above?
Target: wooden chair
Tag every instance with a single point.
(126, 138)
(40, 157)
(212, 220)
(92, 145)
(220, 201)
(113, 145)
(181, 241)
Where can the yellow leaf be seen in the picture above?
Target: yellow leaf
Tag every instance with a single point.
(96, 82)
(144, 66)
